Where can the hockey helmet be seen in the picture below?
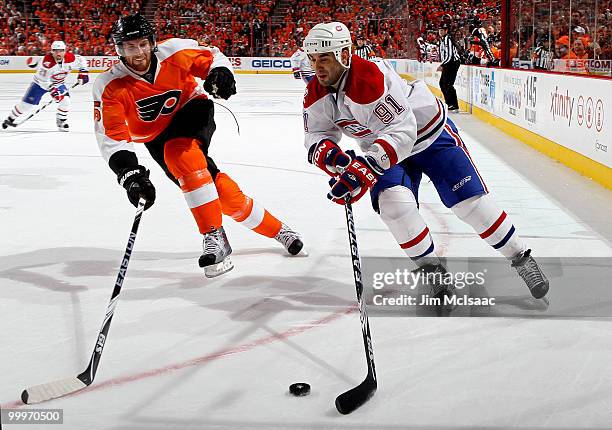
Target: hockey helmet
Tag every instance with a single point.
(58, 44)
(329, 37)
(132, 27)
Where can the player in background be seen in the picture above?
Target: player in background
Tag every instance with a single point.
(404, 132)
(151, 97)
(301, 66)
(50, 78)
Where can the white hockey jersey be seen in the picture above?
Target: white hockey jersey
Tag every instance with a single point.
(389, 118)
(51, 74)
(301, 63)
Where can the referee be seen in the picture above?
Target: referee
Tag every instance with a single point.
(449, 67)
(362, 50)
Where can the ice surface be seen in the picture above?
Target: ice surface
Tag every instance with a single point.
(189, 352)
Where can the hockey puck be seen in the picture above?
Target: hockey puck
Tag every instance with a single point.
(299, 389)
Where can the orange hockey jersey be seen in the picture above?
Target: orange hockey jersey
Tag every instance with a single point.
(128, 108)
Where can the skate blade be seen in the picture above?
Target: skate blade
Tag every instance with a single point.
(301, 253)
(218, 269)
(541, 304)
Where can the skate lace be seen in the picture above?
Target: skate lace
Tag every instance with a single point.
(213, 243)
(531, 273)
(286, 236)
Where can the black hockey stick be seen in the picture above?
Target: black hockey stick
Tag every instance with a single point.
(62, 387)
(350, 400)
(44, 106)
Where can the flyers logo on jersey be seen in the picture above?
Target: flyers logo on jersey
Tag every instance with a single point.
(150, 108)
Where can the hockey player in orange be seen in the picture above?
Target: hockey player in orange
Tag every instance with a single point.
(152, 97)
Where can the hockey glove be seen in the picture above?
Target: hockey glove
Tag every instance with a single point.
(328, 156)
(297, 74)
(57, 94)
(136, 182)
(355, 180)
(82, 78)
(220, 83)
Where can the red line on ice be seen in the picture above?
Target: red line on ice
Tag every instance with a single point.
(207, 358)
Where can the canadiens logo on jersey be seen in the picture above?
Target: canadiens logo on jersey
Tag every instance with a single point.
(354, 127)
(150, 108)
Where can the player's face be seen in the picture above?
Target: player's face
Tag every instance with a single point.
(137, 54)
(58, 54)
(327, 69)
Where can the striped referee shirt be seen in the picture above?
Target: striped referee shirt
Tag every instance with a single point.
(364, 51)
(448, 52)
(544, 58)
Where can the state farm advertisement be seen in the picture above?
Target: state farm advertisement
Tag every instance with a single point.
(30, 63)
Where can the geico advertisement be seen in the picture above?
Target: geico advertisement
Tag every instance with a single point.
(260, 64)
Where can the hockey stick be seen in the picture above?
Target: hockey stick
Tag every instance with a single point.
(62, 387)
(44, 106)
(230, 111)
(350, 400)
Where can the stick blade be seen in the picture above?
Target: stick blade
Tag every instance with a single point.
(352, 399)
(51, 390)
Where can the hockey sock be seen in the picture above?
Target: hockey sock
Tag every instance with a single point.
(20, 109)
(187, 163)
(63, 108)
(491, 223)
(244, 209)
(399, 210)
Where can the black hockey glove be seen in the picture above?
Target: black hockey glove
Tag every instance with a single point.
(220, 83)
(137, 184)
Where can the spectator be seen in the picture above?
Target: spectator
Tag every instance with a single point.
(579, 50)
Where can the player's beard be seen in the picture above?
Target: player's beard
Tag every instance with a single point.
(140, 63)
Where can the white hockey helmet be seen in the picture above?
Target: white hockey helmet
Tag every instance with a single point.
(329, 37)
(58, 44)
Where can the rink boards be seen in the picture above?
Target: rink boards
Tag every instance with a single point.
(567, 117)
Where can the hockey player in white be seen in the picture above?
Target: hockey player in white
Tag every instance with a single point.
(300, 65)
(404, 132)
(50, 78)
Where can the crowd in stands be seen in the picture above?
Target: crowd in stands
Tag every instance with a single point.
(582, 32)
(537, 29)
(237, 27)
(83, 24)
(385, 35)
(247, 27)
(234, 26)
(12, 28)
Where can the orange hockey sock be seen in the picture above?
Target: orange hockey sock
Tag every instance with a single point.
(244, 209)
(187, 163)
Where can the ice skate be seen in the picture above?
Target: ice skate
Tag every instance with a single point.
(62, 125)
(9, 122)
(531, 273)
(290, 240)
(434, 277)
(215, 260)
